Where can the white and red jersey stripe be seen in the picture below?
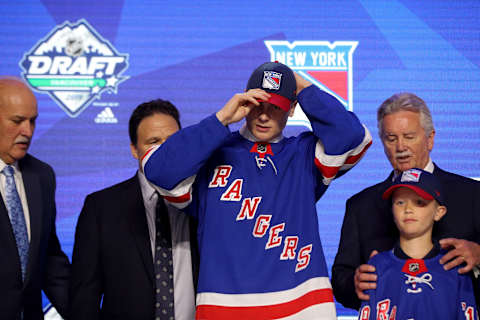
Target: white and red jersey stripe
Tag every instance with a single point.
(310, 300)
(330, 165)
(181, 195)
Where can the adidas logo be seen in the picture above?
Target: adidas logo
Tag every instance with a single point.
(106, 116)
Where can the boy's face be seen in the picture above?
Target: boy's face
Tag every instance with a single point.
(413, 215)
(267, 121)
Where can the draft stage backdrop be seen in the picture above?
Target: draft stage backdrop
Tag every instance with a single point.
(91, 63)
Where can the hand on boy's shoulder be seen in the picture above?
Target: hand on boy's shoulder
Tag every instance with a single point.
(460, 252)
(365, 278)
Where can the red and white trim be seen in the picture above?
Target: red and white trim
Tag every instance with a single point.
(312, 299)
(330, 165)
(147, 154)
(181, 195)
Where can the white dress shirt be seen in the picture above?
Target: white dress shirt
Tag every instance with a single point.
(20, 189)
(183, 291)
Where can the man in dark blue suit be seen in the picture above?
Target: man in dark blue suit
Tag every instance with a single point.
(116, 257)
(407, 133)
(32, 259)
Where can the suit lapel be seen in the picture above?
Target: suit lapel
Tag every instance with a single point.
(8, 245)
(139, 226)
(5, 226)
(390, 231)
(383, 205)
(33, 192)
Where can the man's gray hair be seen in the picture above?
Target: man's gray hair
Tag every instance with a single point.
(405, 101)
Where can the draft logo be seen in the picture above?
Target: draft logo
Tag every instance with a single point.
(327, 65)
(74, 65)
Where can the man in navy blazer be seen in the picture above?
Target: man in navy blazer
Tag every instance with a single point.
(407, 133)
(113, 274)
(47, 267)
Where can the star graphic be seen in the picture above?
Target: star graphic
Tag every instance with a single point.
(111, 82)
(95, 89)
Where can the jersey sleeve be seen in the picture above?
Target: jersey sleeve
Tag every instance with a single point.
(467, 309)
(342, 139)
(172, 166)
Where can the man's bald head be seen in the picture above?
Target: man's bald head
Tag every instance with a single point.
(18, 112)
(11, 85)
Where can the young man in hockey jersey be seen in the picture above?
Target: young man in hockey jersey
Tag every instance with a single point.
(254, 192)
(411, 283)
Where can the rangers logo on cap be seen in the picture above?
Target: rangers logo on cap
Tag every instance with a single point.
(271, 80)
(411, 175)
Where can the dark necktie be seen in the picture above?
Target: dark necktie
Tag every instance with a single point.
(164, 303)
(17, 217)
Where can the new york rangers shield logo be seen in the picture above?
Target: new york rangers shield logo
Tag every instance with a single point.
(412, 175)
(271, 80)
(327, 65)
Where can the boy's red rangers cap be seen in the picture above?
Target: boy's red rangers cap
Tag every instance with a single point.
(422, 182)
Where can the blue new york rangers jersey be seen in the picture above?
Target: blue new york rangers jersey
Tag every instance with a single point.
(261, 255)
(418, 289)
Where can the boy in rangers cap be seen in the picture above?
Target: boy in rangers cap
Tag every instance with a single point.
(411, 282)
(254, 192)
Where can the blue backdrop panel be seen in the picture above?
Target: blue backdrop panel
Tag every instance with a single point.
(91, 63)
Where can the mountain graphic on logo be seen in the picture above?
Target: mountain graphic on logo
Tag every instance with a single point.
(74, 65)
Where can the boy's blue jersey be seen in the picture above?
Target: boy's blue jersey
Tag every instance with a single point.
(261, 254)
(417, 289)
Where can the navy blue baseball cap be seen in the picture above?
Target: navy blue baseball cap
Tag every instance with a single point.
(276, 79)
(422, 182)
